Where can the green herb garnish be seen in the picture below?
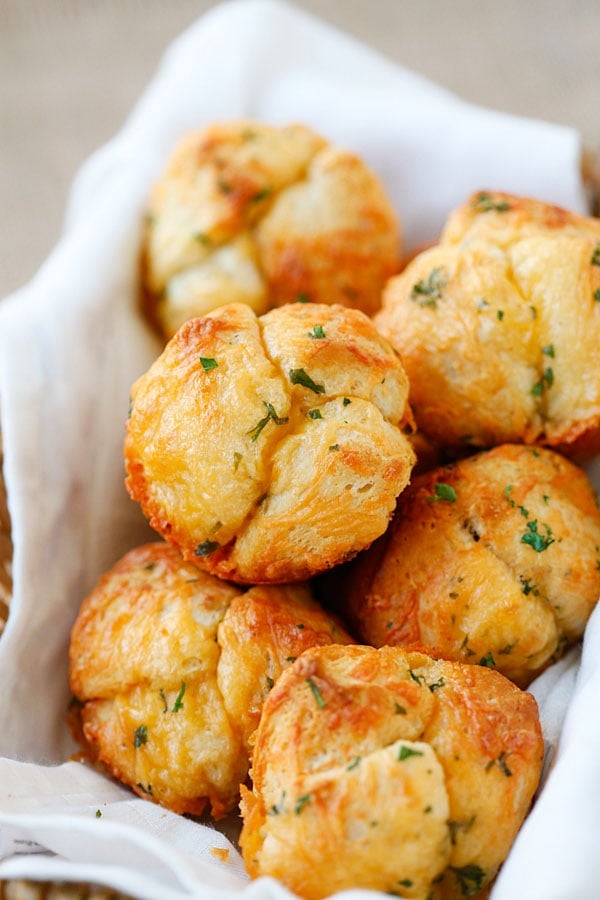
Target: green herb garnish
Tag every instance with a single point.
(545, 382)
(271, 416)
(208, 363)
(485, 203)
(301, 803)
(140, 736)
(316, 693)
(314, 414)
(470, 878)
(405, 752)
(205, 548)
(487, 660)
(317, 333)
(179, 698)
(299, 376)
(443, 492)
(535, 540)
(428, 292)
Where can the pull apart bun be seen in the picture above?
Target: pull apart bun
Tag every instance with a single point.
(493, 560)
(269, 449)
(498, 327)
(248, 212)
(390, 771)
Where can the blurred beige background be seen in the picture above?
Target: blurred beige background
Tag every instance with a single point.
(70, 71)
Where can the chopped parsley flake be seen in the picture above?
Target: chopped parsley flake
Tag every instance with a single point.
(548, 350)
(418, 678)
(443, 492)
(317, 333)
(278, 807)
(456, 827)
(595, 260)
(352, 765)
(545, 382)
(301, 803)
(334, 447)
(202, 238)
(142, 787)
(303, 298)
(271, 416)
(501, 763)
(485, 203)
(470, 878)
(347, 401)
(436, 685)
(261, 195)
(140, 736)
(406, 882)
(179, 698)
(205, 548)
(405, 752)
(528, 587)
(299, 376)
(597, 295)
(428, 292)
(500, 315)
(487, 660)
(237, 458)
(270, 682)
(536, 540)
(164, 700)
(208, 363)
(507, 493)
(314, 414)
(399, 709)
(98, 814)
(316, 693)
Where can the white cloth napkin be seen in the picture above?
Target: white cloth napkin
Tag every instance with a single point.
(72, 342)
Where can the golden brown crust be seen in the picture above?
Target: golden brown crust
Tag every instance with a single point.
(498, 326)
(143, 659)
(247, 212)
(331, 238)
(391, 771)
(494, 559)
(282, 453)
(171, 667)
(263, 632)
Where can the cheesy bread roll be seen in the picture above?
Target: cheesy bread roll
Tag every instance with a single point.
(388, 770)
(248, 212)
(494, 560)
(499, 326)
(171, 667)
(143, 662)
(269, 449)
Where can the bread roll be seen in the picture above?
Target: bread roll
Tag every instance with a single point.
(253, 213)
(390, 771)
(269, 449)
(498, 326)
(494, 560)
